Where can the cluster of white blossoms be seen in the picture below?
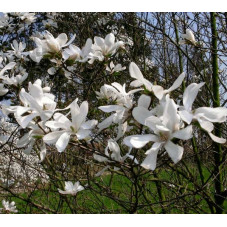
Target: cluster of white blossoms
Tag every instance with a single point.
(63, 128)
(60, 51)
(9, 80)
(16, 167)
(154, 121)
(35, 114)
(7, 21)
(12, 72)
(166, 121)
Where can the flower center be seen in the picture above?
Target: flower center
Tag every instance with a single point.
(164, 136)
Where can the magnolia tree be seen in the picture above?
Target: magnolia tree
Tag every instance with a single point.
(81, 139)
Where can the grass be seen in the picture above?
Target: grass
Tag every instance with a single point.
(96, 201)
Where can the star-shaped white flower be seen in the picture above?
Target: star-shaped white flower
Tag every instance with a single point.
(71, 189)
(63, 128)
(189, 38)
(164, 128)
(7, 206)
(204, 115)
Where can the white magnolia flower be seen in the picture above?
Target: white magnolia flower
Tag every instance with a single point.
(49, 45)
(64, 128)
(14, 80)
(204, 115)
(104, 47)
(11, 80)
(106, 93)
(71, 53)
(3, 90)
(112, 153)
(37, 102)
(164, 129)
(115, 68)
(140, 80)
(124, 103)
(18, 49)
(188, 38)
(114, 148)
(7, 206)
(27, 17)
(71, 189)
(159, 92)
(75, 53)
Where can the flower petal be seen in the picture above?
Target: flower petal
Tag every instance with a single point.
(216, 139)
(109, 40)
(186, 116)
(100, 158)
(135, 72)
(136, 83)
(175, 152)
(217, 114)
(24, 121)
(43, 153)
(139, 141)
(79, 115)
(63, 141)
(99, 41)
(184, 134)
(83, 133)
(62, 39)
(158, 91)
(24, 140)
(177, 82)
(55, 125)
(144, 101)
(70, 41)
(141, 114)
(89, 124)
(151, 159)
(152, 122)
(170, 117)
(52, 137)
(206, 125)
(190, 94)
(110, 108)
(106, 123)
